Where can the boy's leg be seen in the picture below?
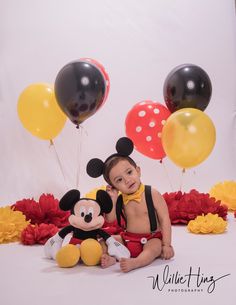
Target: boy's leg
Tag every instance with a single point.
(151, 250)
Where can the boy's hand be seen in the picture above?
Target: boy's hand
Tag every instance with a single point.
(167, 252)
(112, 192)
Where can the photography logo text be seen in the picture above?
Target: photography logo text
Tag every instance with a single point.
(193, 280)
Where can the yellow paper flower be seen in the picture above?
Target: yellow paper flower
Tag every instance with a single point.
(11, 224)
(220, 226)
(194, 226)
(210, 223)
(92, 194)
(226, 192)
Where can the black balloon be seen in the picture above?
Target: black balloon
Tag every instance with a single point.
(187, 86)
(80, 90)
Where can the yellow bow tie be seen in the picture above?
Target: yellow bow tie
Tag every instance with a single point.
(135, 196)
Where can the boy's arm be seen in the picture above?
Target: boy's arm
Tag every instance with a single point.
(163, 216)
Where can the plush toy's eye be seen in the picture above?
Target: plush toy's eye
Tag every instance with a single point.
(82, 211)
(90, 211)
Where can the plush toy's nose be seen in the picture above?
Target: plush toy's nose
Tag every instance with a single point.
(88, 218)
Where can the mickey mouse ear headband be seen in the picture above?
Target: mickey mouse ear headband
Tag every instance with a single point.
(124, 148)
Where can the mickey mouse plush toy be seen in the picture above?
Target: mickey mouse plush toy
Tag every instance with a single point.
(86, 221)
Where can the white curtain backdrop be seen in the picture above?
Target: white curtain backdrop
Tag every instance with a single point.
(138, 42)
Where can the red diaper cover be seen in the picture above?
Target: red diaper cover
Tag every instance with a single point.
(135, 242)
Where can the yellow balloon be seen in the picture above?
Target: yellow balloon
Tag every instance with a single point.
(188, 137)
(91, 252)
(39, 112)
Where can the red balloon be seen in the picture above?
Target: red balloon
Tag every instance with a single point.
(144, 123)
(104, 73)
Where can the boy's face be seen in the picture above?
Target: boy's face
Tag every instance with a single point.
(125, 177)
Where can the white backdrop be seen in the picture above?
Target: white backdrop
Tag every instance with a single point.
(138, 42)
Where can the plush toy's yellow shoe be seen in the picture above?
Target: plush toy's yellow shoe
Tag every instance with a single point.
(68, 256)
(91, 252)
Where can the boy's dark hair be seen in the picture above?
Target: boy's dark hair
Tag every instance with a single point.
(97, 167)
(113, 162)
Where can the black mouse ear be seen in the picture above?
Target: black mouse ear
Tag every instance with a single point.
(124, 146)
(104, 200)
(95, 168)
(69, 200)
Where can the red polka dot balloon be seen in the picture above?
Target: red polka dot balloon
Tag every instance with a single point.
(144, 123)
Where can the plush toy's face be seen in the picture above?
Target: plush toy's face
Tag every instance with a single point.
(86, 215)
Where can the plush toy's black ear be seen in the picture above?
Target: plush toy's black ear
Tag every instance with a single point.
(69, 200)
(104, 200)
(124, 146)
(95, 168)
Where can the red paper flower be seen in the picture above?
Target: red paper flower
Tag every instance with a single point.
(45, 211)
(184, 207)
(38, 234)
(51, 211)
(30, 208)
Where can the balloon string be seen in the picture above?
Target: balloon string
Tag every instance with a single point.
(181, 179)
(59, 163)
(167, 175)
(79, 154)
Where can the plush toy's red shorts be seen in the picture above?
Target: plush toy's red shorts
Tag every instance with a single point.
(75, 241)
(135, 242)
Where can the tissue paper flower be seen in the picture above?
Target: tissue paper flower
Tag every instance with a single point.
(210, 223)
(38, 234)
(30, 208)
(11, 224)
(226, 192)
(184, 207)
(52, 212)
(45, 211)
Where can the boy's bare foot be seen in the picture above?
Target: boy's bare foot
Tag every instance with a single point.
(107, 260)
(128, 264)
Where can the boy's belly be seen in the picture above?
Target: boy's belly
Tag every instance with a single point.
(137, 217)
(138, 224)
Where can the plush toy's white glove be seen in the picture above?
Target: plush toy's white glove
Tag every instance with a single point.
(52, 245)
(116, 249)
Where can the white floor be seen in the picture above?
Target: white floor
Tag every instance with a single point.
(26, 277)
